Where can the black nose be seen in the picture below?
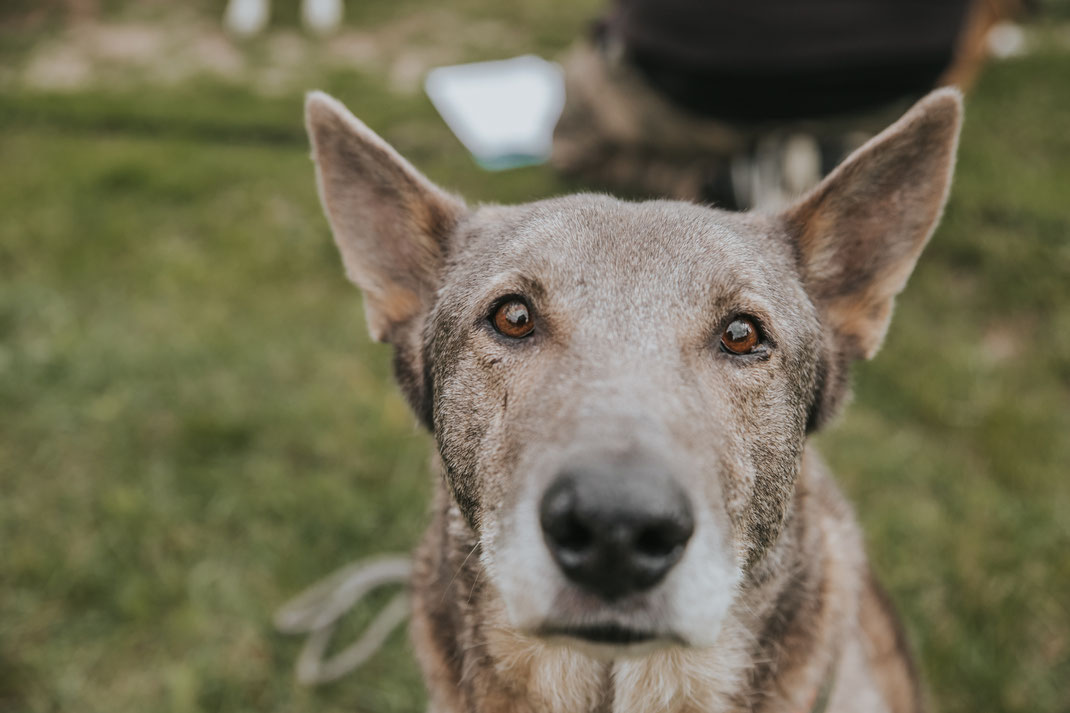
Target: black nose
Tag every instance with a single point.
(615, 529)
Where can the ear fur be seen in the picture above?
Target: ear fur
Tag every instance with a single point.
(392, 227)
(390, 223)
(859, 233)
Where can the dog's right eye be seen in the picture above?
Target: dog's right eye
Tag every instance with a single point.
(740, 336)
(512, 318)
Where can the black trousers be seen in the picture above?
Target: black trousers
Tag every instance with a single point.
(776, 60)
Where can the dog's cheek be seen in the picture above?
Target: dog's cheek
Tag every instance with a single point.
(773, 417)
(719, 424)
(460, 431)
(470, 415)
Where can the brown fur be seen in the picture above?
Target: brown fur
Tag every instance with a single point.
(772, 601)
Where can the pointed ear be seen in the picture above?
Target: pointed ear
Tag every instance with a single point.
(392, 227)
(390, 223)
(859, 233)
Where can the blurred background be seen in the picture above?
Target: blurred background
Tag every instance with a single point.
(194, 425)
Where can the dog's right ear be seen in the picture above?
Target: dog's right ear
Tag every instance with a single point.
(390, 223)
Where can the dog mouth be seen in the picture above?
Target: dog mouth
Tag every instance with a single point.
(606, 634)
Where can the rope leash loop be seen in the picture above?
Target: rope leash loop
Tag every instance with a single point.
(317, 611)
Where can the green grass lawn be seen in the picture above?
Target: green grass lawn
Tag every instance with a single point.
(194, 425)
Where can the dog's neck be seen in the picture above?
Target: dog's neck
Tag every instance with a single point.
(775, 651)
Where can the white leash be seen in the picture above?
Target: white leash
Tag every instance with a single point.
(316, 612)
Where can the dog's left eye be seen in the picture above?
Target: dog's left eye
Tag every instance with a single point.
(740, 336)
(512, 318)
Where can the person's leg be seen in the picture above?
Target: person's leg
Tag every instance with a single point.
(626, 126)
(322, 16)
(246, 18)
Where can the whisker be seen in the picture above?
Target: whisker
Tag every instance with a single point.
(473, 589)
(447, 588)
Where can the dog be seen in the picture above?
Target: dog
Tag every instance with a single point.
(628, 515)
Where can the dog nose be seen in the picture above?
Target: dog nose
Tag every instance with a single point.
(615, 531)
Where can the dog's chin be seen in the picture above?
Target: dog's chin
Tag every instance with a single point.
(609, 641)
(629, 627)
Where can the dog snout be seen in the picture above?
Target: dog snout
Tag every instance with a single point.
(615, 530)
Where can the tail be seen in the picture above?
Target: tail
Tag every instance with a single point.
(316, 612)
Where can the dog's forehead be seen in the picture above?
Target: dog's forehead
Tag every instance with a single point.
(597, 240)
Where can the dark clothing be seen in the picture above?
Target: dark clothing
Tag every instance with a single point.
(788, 59)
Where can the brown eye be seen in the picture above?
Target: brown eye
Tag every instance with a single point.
(513, 319)
(740, 336)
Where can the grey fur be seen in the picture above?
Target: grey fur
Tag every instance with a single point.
(629, 301)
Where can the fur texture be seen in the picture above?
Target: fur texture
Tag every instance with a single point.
(772, 596)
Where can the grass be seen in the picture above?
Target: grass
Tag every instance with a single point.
(194, 425)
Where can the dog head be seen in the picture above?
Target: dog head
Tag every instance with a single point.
(620, 392)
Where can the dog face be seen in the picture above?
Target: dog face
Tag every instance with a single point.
(621, 392)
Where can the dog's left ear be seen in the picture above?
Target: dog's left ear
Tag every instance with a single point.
(859, 233)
